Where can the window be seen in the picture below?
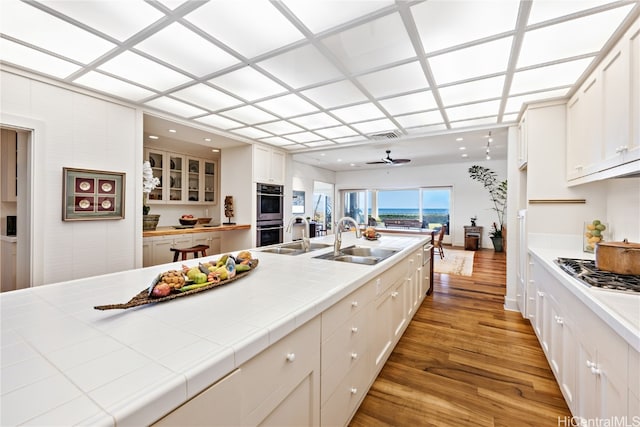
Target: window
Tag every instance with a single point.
(355, 205)
(399, 204)
(436, 207)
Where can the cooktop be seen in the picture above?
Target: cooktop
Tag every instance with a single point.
(586, 271)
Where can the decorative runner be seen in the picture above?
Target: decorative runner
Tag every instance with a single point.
(455, 262)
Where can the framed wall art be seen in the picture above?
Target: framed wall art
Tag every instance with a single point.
(91, 195)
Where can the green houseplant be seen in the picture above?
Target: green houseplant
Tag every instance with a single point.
(498, 195)
(149, 182)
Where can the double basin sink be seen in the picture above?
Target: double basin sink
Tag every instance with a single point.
(352, 254)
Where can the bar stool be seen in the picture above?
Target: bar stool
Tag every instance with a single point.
(195, 250)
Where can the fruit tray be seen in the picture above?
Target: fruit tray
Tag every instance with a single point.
(143, 296)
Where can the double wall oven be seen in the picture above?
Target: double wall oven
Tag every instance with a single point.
(270, 214)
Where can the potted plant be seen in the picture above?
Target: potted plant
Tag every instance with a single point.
(498, 195)
(149, 183)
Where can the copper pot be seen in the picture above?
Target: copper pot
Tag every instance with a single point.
(618, 257)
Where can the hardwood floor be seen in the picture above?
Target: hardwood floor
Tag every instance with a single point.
(465, 361)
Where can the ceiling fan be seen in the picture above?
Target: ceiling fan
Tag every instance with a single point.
(388, 160)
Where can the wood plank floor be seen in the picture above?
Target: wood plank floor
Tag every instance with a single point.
(465, 361)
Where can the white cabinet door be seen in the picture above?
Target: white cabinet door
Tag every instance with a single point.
(523, 143)
(147, 251)
(268, 165)
(277, 166)
(584, 139)
(569, 362)
(219, 405)
(616, 106)
(162, 250)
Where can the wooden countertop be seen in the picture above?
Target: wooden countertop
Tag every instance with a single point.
(169, 231)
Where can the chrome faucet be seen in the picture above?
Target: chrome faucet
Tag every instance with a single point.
(338, 240)
(305, 232)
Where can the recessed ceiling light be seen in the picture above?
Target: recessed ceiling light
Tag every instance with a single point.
(323, 154)
(460, 139)
(215, 150)
(465, 155)
(352, 164)
(207, 139)
(153, 137)
(462, 148)
(339, 160)
(172, 130)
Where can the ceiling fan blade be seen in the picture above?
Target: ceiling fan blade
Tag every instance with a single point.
(399, 161)
(376, 163)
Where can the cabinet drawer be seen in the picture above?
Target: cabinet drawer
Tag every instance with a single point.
(270, 376)
(340, 407)
(342, 351)
(634, 372)
(391, 276)
(347, 307)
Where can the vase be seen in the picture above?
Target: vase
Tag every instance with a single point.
(150, 222)
(497, 244)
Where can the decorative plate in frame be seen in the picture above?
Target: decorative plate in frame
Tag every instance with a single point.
(92, 194)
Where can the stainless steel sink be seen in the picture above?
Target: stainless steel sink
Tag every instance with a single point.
(294, 248)
(359, 255)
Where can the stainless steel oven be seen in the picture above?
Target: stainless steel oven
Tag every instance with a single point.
(269, 232)
(270, 203)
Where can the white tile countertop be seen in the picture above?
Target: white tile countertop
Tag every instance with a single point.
(619, 310)
(65, 363)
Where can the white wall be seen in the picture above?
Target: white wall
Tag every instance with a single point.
(623, 209)
(469, 196)
(79, 131)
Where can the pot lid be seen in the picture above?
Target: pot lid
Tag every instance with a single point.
(624, 244)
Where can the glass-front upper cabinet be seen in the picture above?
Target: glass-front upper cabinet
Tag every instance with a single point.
(209, 181)
(156, 160)
(176, 168)
(194, 180)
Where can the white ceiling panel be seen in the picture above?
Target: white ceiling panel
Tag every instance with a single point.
(335, 94)
(536, 79)
(379, 42)
(30, 58)
(316, 121)
(202, 57)
(301, 67)
(546, 10)
(218, 121)
(474, 91)
(409, 103)
(280, 127)
(248, 83)
(395, 80)
(331, 72)
(321, 15)
(489, 108)
(139, 69)
(249, 114)
(38, 28)
(119, 19)
(374, 126)
(336, 132)
(443, 24)
(249, 27)
(206, 97)
(287, 106)
(472, 62)
(175, 107)
(420, 119)
(560, 41)
(358, 112)
(304, 137)
(110, 85)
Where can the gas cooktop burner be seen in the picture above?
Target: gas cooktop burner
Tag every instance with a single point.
(586, 271)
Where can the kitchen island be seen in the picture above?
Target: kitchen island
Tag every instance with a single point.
(65, 363)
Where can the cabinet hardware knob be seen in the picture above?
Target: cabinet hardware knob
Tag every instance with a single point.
(354, 330)
(394, 294)
(354, 355)
(291, 357)
(354, 304)
(595, 370)
(354, 390)
(590, 364)
(540, 294)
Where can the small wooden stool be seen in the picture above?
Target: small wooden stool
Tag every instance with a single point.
(195, 250)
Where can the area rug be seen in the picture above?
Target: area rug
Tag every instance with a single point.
(455, 262)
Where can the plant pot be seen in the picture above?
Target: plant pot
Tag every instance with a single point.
(497, 244)
(150, 222)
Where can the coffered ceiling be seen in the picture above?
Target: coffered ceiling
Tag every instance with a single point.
(312, 76)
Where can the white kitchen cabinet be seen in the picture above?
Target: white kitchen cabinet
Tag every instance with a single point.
(8, 156)
(211, 239)
(523, 142)
(183, 179)
(603, 116)
(9, 253)
(589, 360)
(268, 165)
(218, 405)
(157, 250)
(281, 385)
(634, 384)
